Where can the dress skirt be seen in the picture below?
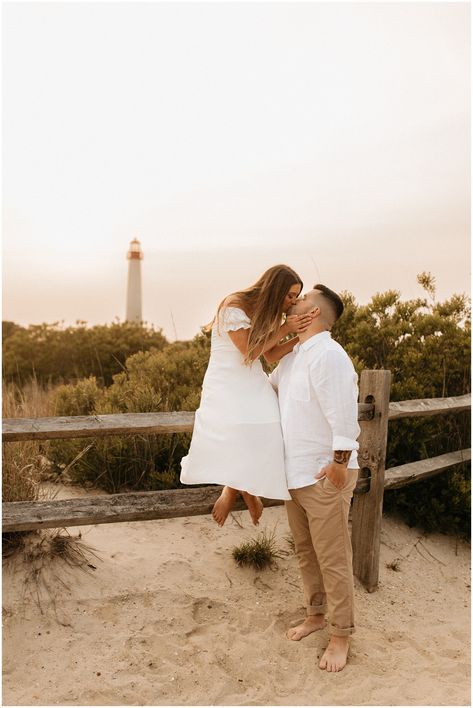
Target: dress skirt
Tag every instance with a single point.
(237, 439)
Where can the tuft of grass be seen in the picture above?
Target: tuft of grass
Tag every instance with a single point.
(290, 542)
(57, 545)
(394, 565)
(260, 552)
(48, 561)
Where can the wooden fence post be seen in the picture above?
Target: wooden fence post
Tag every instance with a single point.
(368, 507)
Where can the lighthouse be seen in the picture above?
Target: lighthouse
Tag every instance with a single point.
(133, 295)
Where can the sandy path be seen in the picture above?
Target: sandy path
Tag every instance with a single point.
(167, 618)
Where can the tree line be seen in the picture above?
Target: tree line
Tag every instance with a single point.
(57, 354)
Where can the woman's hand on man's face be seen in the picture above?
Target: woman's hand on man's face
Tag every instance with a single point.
(298, 323)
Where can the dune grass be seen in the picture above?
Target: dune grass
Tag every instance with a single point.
(259, 552)
(24, 466)
(290, 542)
(25, 462)
(48, 564)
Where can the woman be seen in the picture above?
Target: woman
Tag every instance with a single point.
(237, 440)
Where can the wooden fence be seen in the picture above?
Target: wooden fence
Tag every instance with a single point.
(374, 412)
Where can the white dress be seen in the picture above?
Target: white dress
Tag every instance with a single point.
(237, 439)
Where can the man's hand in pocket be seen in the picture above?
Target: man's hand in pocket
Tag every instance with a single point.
(336, 472)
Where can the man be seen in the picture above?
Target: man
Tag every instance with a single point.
(318, 395)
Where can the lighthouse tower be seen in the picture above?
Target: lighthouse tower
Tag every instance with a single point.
(133, 295)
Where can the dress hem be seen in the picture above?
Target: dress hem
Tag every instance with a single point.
(237, 486)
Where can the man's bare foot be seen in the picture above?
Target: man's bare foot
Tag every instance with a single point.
(311, 624)
(255, 506)
(335, 655)
(224, 505)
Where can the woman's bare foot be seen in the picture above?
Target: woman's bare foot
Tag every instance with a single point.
(311, 624)
(335, 655)
(224, 504)
(255, 506)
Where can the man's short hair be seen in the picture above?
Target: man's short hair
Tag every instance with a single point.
(334, 299)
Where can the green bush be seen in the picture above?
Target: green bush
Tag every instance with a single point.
(426, 346)
(165, 380)
(441, 503)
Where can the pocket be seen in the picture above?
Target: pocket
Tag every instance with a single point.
(350, 484)
(299, 387)
(330, 485)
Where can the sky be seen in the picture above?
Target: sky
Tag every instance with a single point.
(228, 137)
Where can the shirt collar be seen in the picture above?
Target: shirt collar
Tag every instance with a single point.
(315, 339)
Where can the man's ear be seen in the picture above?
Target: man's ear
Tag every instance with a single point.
(315, 311)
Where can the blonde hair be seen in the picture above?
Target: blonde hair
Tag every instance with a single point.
(265, 300)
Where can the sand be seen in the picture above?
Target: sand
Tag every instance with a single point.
(168, 618)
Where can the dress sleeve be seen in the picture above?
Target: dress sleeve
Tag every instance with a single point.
(233, 318)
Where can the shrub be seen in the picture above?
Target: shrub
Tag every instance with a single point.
(426, 346)
(164, 380)
(440, 504)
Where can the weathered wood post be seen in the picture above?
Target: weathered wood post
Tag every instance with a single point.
(368, 506)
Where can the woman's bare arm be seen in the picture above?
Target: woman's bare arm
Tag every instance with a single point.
(279, 350)
(294, 324)
(240, 338)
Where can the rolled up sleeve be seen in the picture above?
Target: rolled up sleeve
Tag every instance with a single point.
(336, 385)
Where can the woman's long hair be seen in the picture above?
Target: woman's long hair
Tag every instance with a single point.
(264, 300)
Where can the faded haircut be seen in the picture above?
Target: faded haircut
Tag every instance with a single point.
(333, 299)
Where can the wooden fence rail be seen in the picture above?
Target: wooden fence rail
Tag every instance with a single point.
(429, 406)
(112, 508)
(172, 503)
(374, 412)
(397, 477)
(83, 426)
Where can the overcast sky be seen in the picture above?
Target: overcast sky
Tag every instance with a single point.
(229, 137)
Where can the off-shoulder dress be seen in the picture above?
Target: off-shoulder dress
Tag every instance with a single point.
(237, 439)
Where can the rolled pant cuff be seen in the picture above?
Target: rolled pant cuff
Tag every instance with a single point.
(341, 631)
(316, 609)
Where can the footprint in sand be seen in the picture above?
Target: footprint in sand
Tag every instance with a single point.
(206, 610)
(180, 570)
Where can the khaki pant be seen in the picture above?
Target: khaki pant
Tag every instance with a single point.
(318, 518)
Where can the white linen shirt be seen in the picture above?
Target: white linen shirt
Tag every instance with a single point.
(317, 388)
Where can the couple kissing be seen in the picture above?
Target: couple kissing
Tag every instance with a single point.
(291, 435)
